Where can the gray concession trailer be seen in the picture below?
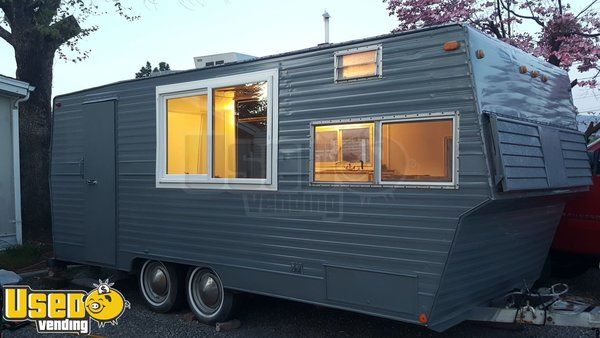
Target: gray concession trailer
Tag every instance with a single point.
(412, 176)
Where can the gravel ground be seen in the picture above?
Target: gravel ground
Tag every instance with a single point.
(265, 316)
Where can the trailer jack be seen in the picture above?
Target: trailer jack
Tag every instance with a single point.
(546, 306)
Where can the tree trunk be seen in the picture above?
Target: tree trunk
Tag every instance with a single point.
(34, 65)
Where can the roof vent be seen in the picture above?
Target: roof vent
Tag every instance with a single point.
(219, 59)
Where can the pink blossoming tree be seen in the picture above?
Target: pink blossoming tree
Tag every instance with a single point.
(564, 37)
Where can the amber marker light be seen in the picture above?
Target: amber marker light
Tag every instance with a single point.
(423, 318)
(544, 78)
(479, 54)
(523, 69)
(451, 45)
(535, 73)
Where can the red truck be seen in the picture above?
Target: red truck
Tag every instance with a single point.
(576, 245)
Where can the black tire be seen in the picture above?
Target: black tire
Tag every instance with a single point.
(161, 295)
(207, 298)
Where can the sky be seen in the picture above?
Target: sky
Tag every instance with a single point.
(176, 31)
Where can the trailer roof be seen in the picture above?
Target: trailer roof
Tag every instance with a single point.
(319, 47)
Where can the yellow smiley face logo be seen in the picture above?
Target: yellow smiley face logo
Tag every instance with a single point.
(105, 307)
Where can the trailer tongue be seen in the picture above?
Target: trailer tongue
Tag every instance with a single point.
(545, 306)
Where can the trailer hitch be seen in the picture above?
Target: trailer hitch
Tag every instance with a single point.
(545, 306)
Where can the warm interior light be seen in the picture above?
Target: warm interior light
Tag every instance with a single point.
(344, 153)
(417, 151)
(357, 65)
(186, 135)
(240, 131)
(451, 45)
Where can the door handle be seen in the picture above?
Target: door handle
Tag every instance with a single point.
(91, 181)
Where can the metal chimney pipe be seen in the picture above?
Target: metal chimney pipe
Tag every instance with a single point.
(326, 17)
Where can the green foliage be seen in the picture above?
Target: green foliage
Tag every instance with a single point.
(147, 70)
(21, 256)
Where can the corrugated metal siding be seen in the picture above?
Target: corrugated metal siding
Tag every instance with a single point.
(382, 229)
(533, 156)
(520, 155)
(66, 181)
(498, 247)
(576, 159)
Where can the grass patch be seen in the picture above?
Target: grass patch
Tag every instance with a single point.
(21, 256)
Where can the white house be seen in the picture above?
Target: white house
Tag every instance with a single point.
(12, 92)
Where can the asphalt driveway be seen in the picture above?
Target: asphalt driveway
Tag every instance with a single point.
(265, 316)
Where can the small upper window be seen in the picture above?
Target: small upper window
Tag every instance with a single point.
(358, 63)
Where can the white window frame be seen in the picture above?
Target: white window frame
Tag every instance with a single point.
(379, 121)
(201, 87)
(379, 62)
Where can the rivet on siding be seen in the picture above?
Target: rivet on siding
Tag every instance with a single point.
(535, 73)
(479, 54)
(544, 78)
(523, 69)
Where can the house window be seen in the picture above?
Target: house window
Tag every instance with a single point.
(344, 153)
(219, 133)
(402, 151)
(418, 151)
(358, 63)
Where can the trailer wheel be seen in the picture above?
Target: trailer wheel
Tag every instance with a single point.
(207, 298)
(160, 286)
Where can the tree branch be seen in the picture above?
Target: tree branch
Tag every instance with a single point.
(8, 10)
(560, 7)
(499, 12)
(6, 35)
(587, 35)
(64, 30)
(586, 8)
(494, 29)
(532, 17)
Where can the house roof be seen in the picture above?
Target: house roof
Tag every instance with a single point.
(14, 87)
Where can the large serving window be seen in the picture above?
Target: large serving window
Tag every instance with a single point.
(399, 150)
(219, 133)
(344, 153)
(420, 151)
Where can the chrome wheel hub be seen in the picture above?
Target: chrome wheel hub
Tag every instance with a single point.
(155, 282)
(158, 283)
(206, 292)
